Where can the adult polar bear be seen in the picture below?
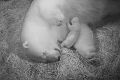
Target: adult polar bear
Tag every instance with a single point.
(45, 24)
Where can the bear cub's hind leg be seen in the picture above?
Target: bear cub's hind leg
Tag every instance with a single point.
(74, 33)
(80, 37)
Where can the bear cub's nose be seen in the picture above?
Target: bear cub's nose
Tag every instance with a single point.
(51, 57)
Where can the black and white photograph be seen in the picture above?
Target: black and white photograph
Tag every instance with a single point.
(59, 39)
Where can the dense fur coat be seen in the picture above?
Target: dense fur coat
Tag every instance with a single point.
(46, 23)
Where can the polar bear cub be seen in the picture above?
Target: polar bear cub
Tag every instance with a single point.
(42, 29)
(47, 22)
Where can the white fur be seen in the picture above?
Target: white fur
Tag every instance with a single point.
(40, 35)
(40, 28)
